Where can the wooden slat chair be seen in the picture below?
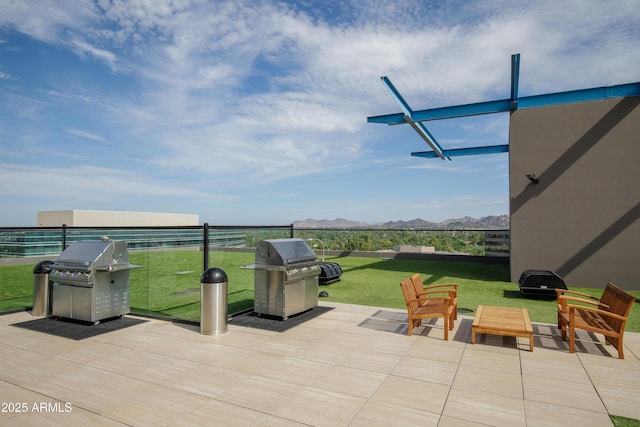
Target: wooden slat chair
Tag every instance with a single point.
(607, 315)
(433, 307)
(450, 288)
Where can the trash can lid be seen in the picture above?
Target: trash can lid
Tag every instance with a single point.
(213, 275)
(42, 267)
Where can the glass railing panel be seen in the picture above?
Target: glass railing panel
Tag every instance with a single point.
(168, 285)
(173, 259)
(16, 284)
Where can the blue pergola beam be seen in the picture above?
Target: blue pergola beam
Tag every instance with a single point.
(429, 139)
(501, 106)
(416, 118)
(480, 108)
(515, 79)
(582, 95)
(420, 128)
(457, 152)
(388, 119)
(404, 106)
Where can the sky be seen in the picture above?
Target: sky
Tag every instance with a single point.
(254, 112)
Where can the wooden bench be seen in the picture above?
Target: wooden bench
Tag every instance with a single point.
(429, 304)
(607, 315)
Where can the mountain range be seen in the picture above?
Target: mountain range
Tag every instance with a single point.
(487, 222)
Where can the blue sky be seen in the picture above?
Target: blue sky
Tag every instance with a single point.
(254, 112)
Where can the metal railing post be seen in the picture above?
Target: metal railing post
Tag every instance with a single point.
(205, 246)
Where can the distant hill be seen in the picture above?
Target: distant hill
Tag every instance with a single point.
(487, 222)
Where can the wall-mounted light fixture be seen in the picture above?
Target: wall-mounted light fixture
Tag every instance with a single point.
(533, 178)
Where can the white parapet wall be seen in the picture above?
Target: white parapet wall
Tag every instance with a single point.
(415, 249)
(95, 218)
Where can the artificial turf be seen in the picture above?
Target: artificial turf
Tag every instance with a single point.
(169, 284)
(365, 281)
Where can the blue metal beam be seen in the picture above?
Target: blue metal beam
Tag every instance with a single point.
(388, 119)
(416, 118)
(490, 107)
(420, 128)
(504, 105)
(582, 95)
(457, 152)
(404, 106)
(515, 79)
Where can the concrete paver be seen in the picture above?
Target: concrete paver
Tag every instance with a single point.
(351, 366)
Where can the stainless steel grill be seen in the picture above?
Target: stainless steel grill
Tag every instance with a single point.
(285, 277)
(91, 281)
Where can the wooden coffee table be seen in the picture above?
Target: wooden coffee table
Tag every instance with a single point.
(513, 322)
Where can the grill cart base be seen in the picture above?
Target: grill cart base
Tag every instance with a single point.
(92, 304)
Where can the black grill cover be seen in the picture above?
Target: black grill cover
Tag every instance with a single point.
(540, 283)
(330, 272)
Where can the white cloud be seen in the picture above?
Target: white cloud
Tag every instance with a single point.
(83, 134)
(81, 47)
(83, 183)
(44, 19)
(440, 166)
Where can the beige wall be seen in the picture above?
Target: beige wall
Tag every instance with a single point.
(582, 220)
(91, 218)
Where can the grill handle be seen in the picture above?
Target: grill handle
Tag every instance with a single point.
(292, 261)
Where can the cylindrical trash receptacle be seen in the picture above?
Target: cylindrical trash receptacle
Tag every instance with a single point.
(213, 302)
(41, 289)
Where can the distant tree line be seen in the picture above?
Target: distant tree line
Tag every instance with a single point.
(466, 241)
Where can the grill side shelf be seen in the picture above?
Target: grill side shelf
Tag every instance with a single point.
(264, 267)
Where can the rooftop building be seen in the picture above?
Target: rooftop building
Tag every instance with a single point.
(97, 218)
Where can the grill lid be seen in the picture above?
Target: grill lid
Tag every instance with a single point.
(284, 252)
(95, 254)
(84, 252)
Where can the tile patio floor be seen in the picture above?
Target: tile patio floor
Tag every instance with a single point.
(351, 366)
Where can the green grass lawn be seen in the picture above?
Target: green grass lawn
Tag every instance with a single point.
(169, 284)
(16, 287)
(376, 282)
(163, 286)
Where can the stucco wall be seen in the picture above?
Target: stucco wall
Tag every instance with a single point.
(582, 220)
